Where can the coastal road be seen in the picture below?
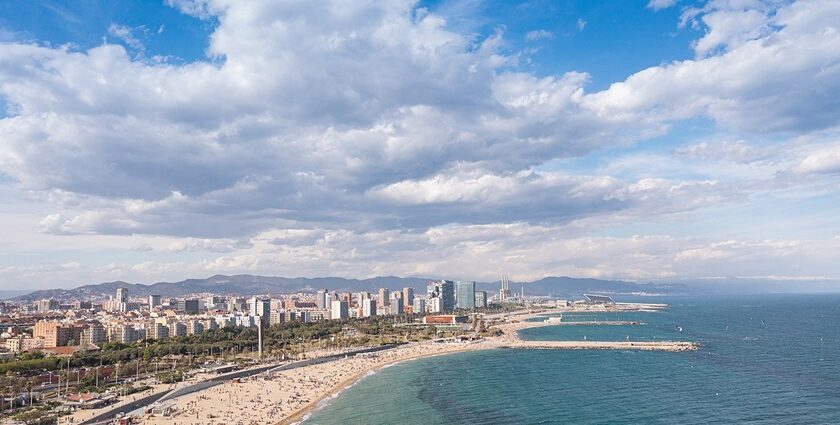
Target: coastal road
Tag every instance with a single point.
(212, 382)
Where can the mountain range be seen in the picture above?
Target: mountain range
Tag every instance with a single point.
(256, 285)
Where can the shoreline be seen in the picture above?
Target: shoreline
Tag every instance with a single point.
(300, 415)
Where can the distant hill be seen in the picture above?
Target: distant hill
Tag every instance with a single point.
(254, 285)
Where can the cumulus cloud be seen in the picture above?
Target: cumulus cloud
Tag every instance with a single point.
(773, 76)
(824, 160)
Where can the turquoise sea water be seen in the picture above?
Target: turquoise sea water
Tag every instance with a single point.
(765, 360)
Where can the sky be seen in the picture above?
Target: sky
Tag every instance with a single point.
(655, 140)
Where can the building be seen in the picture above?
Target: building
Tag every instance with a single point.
(159, 331)
(177, 329)
(214, 302)
(260, 307)
(195, 327)
(322, 298)
(82, 305)
(20, 344)
(440, 296)
(444, 319)
(94, 334)
(419, 305)
(188, 306)
(339, 310)
(396, 306)
(480, 299)
(408, 296)
(126, 334)
(368, 307)
(57, 334)
(46, 305)
(465, 295)
(121, 302)
(276, 317)
(384, 293)
(154, 301)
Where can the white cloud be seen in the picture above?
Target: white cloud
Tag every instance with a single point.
(128, 35)
(736, 151)
(824, 160)
(661, 4)
(538, 35)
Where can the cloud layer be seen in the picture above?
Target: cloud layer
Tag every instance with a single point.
(323, 123)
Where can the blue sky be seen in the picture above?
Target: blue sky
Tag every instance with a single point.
(647, 140)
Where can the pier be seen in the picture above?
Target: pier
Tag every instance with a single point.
(605, 345)
(593, 323)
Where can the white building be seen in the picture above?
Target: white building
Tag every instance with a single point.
(368, 307)
(339, 310)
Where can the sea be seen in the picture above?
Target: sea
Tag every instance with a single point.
(764, 359)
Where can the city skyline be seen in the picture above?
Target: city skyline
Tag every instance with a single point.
(646, 140)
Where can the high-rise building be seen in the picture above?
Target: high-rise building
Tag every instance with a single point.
(465, 295)
(322, 298)
(260, 307)
(339, 310)
(122, 299)
(384, 293)
(188, 306)
(408, 296)
(154, 301)
(440, 296)
(45, 305)
(419, 305)
(368, 307)
(396, 306)
(480, 299)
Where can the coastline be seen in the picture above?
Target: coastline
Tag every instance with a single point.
(301, 415)
(289, 396)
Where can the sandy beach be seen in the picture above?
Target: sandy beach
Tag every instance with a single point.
(287, 396)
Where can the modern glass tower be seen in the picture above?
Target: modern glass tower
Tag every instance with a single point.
(465, 295)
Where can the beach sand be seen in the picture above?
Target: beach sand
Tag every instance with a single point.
(287, 396)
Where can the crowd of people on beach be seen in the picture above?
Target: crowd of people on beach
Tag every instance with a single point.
(275, 396)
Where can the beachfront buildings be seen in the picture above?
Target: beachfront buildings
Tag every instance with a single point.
(465, 295)
(419, 305)
(480, 299)
(440, 296)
